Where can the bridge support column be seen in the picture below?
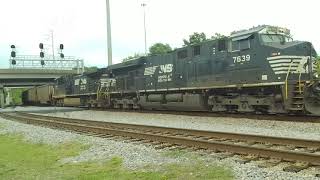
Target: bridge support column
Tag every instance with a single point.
(8, 98)
(1, 96)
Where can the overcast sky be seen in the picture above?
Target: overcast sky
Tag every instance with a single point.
(81, 24)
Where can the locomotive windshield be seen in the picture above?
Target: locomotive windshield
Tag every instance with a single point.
(278, 38)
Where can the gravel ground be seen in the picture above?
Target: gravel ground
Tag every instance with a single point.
(42, 109)
(241, 125)
(137, 155)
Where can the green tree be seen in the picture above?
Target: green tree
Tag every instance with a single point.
(195, 38)
(90, 69)
(318, 65)
(129, 58)
(217, 36)
(159, 48)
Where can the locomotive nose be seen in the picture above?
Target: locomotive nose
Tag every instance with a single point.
(303, 49)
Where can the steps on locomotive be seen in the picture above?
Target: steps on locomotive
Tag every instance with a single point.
(297, 97)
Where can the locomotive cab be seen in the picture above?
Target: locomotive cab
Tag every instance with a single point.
(271, 55)
(288, 57)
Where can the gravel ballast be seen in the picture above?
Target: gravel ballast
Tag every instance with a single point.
(137, 156)
(225, 124)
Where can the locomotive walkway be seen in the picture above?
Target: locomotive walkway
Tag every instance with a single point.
(284, 149)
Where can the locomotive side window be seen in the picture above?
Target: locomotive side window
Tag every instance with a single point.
(240, 45)
(235, 46)
(182, 54)
(245, 44)
(196, 50)
(269, 38)
(222, 45)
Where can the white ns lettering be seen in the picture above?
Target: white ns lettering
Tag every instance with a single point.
(166, 68)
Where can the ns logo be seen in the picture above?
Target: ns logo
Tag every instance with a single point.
(166, 68)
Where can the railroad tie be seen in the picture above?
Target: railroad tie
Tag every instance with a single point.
(269, 163)
(299, 166)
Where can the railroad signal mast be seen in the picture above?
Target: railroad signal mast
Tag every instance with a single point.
(44, 61)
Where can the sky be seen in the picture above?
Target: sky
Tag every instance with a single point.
(81, 24)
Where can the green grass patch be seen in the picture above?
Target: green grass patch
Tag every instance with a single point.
(22, 160)
(16, 95)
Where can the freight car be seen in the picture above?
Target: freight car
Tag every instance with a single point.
(260, 70)
(40, 95)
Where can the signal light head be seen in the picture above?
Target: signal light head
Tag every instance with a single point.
(13, 54)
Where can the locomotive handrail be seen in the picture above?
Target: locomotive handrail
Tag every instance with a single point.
(286, 83)
(98, 91)
(300, 88)
(300, 69)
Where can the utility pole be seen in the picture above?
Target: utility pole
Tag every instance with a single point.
(52, 44)
(109, 34)
(145, 28)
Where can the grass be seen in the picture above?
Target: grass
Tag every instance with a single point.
(16, 95)
(197, 170)
(22, 160)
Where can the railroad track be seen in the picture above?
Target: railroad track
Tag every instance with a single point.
(302, 153)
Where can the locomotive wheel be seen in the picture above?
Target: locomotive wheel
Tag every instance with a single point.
(312, 99)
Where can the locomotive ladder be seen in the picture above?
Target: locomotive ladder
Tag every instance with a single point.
(297, 93)
(297, 100)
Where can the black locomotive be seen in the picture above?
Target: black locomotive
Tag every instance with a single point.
(260, 70)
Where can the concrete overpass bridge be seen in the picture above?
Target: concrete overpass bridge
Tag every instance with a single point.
(28, 77)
